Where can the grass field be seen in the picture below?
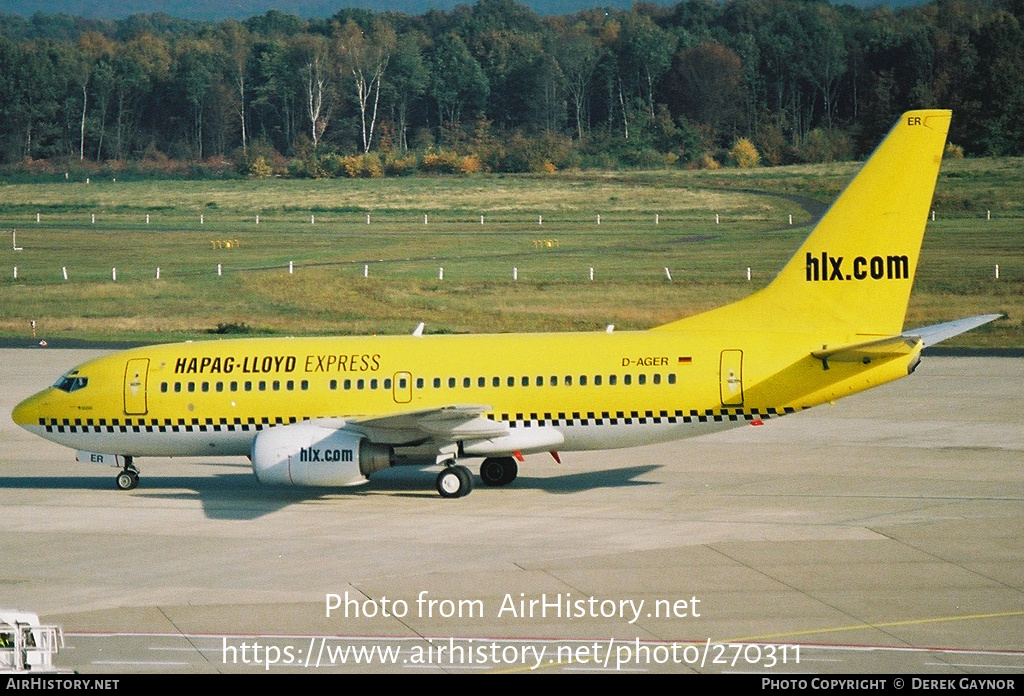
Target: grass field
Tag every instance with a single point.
(543, 229)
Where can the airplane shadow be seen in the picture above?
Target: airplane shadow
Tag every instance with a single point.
(239, 496)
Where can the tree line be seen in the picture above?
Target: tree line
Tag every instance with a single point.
(494, 86)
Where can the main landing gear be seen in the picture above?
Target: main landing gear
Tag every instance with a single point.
(499, 471)
(128, 478)
(456, 481)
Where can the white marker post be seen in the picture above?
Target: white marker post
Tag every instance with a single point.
(540, 219)
(440, 273)
(667, 274)
(366, 270)
(113, 274)
(37, 218)
(219, 273)
(367, 218)
(716, 218)
(147, 218)
(515, 273)
(291, 267)
(599, 219)
(424, 219)
(201, 220)
(591, 272)
(158, 273)
(997, 271)
(257, 219)
(748, 272)
(64, 272)
(657, 219)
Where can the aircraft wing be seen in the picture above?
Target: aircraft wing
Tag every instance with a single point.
(904, 344)
(456, 422)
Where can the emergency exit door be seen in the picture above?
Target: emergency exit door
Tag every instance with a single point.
(402, 389)
(731, 377)
(135, 376)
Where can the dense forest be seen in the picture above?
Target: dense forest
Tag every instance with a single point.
(496, 87)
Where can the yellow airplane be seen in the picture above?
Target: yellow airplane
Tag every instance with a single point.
(332, 411)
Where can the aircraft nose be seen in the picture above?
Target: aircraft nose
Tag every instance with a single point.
(27, 412)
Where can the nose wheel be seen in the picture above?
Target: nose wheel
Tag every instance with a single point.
(128, 478)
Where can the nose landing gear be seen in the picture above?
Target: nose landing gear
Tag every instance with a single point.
(128, 478)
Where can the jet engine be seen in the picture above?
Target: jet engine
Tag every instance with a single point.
(314, 454)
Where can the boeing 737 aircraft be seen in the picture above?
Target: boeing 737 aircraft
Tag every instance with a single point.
(332, 411)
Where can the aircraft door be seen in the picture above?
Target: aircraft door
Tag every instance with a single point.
(135, 376)
(402, 387)
(731, 377)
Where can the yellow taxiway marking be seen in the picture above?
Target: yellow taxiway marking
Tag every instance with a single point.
(791, 634)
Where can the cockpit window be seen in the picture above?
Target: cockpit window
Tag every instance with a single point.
(71, 382)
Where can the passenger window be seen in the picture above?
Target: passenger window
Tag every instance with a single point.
(583, 380)
(163, 387)
(657, 378)
(437, 383)
(451, 382)
(205, 386)
(597, 380)
(612, 379)
(263, 386)
(496, 382)
(627, 379)
(334, 384)
(641, 379)
(466, 382)
(672, 378)
(304, 385)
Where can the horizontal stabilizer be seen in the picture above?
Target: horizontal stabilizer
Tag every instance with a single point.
(935, 333)
(891, 347)
(904, 344)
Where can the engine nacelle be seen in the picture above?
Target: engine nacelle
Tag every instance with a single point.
(312, 454)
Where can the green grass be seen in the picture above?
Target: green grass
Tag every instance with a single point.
(327, 293)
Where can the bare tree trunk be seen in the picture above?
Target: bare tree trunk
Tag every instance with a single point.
(81, 137)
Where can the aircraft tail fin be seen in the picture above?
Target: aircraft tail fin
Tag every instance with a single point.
(853, 273)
